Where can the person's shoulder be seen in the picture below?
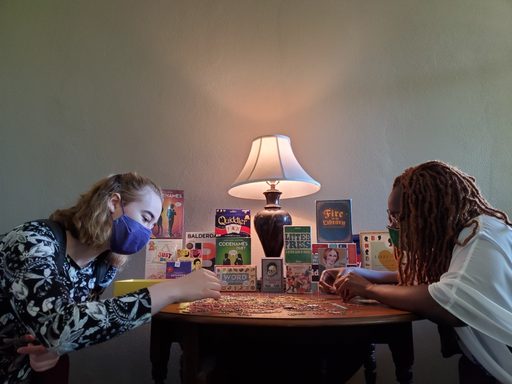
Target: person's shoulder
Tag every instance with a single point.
(490, 226)
(31, 229)
(484, 227)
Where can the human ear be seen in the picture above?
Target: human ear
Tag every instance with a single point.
(114, 201)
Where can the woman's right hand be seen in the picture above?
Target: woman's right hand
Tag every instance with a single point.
(199, 284)
(329, 277)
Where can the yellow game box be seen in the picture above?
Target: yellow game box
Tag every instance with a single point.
(122, 287)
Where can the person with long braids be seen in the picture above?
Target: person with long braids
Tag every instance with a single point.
(454, 253)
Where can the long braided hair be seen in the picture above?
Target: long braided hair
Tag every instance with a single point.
(437, 202)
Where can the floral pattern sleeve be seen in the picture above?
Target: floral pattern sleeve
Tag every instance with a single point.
(53, 305)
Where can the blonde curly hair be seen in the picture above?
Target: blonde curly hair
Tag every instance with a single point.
(90, 220)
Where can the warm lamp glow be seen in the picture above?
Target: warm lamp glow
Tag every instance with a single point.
(271, 161)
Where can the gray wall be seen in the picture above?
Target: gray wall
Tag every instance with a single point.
(177, 90)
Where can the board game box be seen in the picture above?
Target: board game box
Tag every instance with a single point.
(202, 245)
(297, 244)
(158, 253)
(334, 221)
(377, 251)
(171, 222)
(175, 269)
(237, 278)
(298, 278)
(233, 223)
(233, 251)
(272, 274)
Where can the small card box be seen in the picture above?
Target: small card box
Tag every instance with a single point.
(237, 278)
(177, 269)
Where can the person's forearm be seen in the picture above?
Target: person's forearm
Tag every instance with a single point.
(163, 294)
(414, 299)
(381, 277)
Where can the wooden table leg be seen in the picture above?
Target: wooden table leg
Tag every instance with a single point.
(161, 340)
(402, 350)
(190, 356)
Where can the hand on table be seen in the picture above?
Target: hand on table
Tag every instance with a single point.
(40, 358)
(199, 284)
(350, 285)
(329, 277)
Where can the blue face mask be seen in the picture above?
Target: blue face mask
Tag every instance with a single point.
(128, 236)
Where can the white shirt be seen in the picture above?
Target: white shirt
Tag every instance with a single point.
(477, 289)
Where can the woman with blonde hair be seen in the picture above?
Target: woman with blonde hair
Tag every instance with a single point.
(49, 304)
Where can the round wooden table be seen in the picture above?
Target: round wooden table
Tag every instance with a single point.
(245, 318)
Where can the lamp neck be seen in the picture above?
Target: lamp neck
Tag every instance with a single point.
(272, 195)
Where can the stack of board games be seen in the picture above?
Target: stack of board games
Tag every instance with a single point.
(233, 250)
(297, 257)
(166, 235)
(377, 251)
(335, 245)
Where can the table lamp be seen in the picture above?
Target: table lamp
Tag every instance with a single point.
(271, 163)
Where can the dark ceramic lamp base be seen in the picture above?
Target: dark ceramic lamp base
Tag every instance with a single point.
(269, 224)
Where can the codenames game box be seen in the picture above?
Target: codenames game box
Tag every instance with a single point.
(233, 251)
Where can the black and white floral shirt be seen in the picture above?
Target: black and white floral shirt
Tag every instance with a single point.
(56, 307)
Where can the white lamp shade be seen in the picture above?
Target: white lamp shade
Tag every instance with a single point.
(271, 160)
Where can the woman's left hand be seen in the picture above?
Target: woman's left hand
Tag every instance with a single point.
(351, 285)
(40, 358)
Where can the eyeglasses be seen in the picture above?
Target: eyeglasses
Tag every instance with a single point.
(393, 219)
